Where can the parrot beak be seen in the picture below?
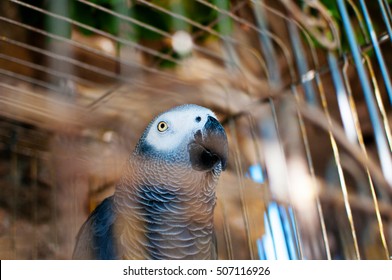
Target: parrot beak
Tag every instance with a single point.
(209, 146)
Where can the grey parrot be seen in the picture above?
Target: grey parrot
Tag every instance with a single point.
(163, 205)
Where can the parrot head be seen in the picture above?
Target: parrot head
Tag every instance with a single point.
(189, 135)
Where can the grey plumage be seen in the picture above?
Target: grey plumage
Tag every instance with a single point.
(163, 205)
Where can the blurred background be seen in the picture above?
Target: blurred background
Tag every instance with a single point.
(303, 88)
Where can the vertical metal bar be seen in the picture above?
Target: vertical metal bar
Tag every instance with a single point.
(349, 114)
(233, 64)
(269, 238)
(302, 64)
(381, 140)
(309, 159)
(63, 29)
(388, 9)
(345, 196)
(381, 107)
(225, 27)
(177, 7)
(343, 101)
(267, 46)
(378, 216)
(386, 18)
(226, 233)
(338, 164)
(275, 80)
(298, 59)
(290, 234)
(360, 20)
(55, 25)
(281, 249)
(382, 192)
(127, 28)
(295, 232)
(303, 181)
(244, 206)
(275, 156)
(306, 142)
(376, 46)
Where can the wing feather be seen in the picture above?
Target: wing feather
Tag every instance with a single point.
(96, 239)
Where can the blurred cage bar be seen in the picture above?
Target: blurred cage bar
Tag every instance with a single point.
(303, 89)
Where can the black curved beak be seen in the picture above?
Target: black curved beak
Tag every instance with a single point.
(209, 146)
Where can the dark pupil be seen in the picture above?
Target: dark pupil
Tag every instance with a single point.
(198, 119)
(162, 125)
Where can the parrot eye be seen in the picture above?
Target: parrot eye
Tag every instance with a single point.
(162, 126)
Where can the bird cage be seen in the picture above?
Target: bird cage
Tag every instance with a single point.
(302, 87)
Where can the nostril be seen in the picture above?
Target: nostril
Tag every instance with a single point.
(198, 119)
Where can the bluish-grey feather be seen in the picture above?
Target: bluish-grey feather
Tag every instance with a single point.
(155, 200)
(103, 218)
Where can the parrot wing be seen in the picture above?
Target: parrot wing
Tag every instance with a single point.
(95, 239)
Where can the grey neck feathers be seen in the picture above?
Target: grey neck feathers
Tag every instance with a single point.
(172, 221)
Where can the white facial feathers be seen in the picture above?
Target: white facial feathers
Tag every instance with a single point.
(176, 127)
